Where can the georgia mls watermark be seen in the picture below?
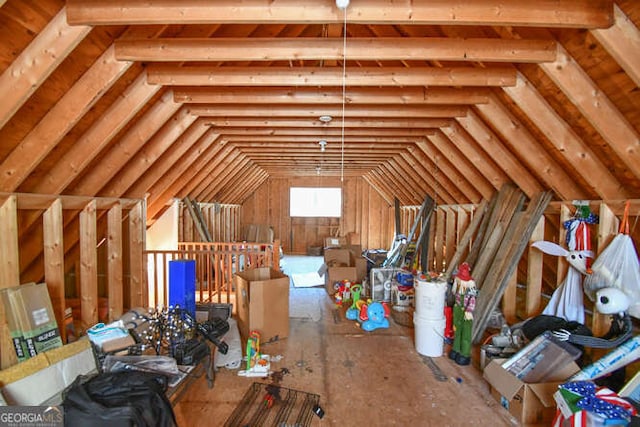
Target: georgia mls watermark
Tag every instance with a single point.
(31, 416)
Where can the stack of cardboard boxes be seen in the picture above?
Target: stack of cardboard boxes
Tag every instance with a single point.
(342, 261)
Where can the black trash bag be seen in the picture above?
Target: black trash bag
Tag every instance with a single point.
(537, 325)
(115, 399)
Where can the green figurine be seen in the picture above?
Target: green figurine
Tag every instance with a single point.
(465, 292)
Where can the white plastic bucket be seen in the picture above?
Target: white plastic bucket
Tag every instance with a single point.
(429, 335)
(429, 298)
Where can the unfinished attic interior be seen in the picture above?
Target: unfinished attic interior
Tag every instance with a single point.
(134, 134)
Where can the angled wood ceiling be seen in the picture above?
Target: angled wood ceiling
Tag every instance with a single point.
(169, 98)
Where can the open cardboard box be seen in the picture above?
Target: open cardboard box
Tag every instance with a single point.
(529, 403)
(342, 264)
(263, 303)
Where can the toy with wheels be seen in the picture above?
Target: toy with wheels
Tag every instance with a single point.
(353, 311)
(374, 316)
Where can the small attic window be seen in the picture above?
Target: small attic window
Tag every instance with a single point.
(315, 201)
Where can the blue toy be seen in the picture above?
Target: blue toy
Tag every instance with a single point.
(376, 317)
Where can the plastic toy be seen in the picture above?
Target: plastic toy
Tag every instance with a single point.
(343, 292)
(376, 316)
(258, 365)
(353, 311)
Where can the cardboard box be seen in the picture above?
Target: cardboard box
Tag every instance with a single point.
(31, 305)
(529, 403)
(334, 242)
(15, 331)
(338, 266)
(263, 303)
(41, 379)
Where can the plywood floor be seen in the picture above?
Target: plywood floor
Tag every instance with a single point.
(363, 378)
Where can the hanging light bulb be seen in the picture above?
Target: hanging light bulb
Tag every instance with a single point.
(318, 170)
(342, 4)
(322, 144)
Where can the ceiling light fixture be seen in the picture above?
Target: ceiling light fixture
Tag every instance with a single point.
(323, 145)
(325, 119)
(318, 169)
(342, 4)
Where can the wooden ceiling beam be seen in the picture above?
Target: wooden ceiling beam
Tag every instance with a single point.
(193, 136)
(476, 155)
(426, 156)
(390, 181)
(183, 172)
(223, 175)
(334, 95)
(238, 193)
(174, 75)
(112, 121)
(140, 162)
(441, 147)
(257, 133)
(199, 180)
(118, 153)
(35, 63)
(220, 169)
(527, 148)
(559, 13)
(315, 111)
(622, 41)
(493, 146)
(381, 189)
(60, 119)
(219, 123)
(597, 108)
(360, 49)
(331, 139)
(562, 136)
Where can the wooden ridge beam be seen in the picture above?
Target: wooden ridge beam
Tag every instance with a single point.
(360, 49)
(315, 111)
(563, 13)
(174, 75)
(333, 95)
(35, 63)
